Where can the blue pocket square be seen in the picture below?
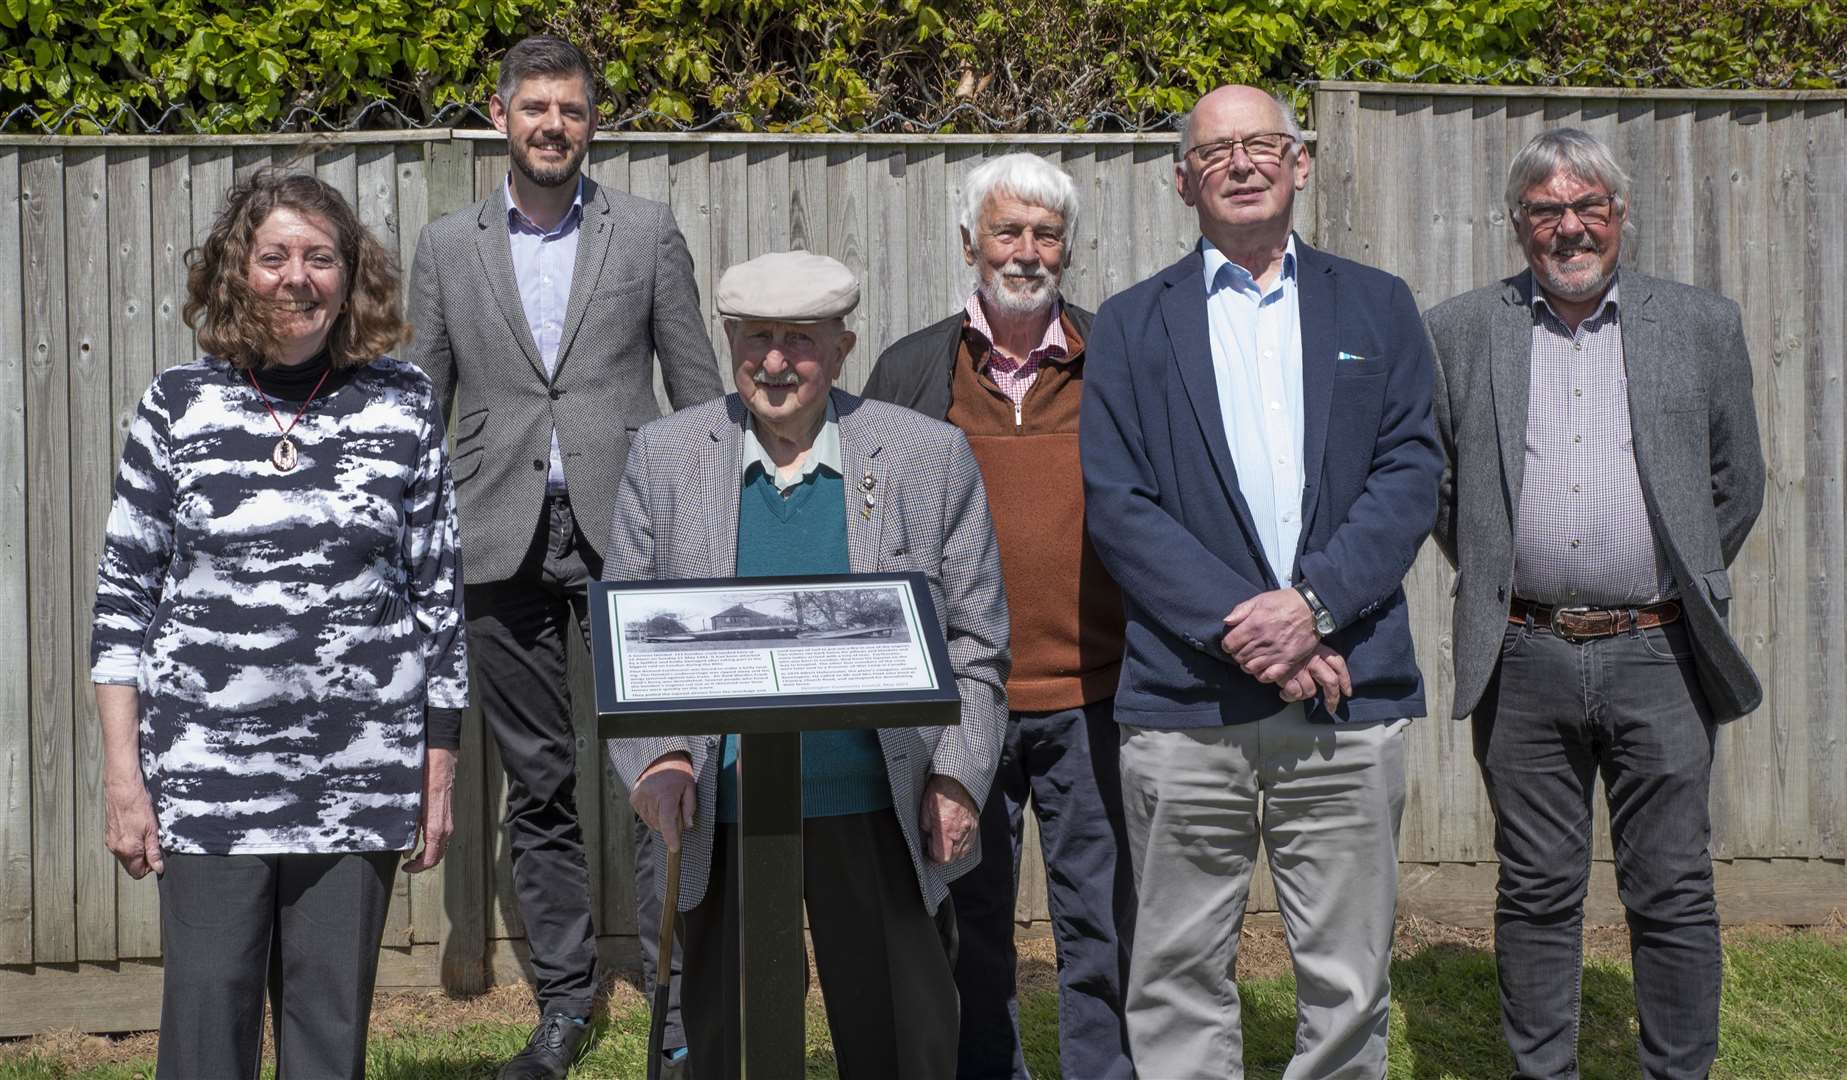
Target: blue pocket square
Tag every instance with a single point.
(1345, 356)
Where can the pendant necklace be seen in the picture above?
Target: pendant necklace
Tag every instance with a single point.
(284, 456)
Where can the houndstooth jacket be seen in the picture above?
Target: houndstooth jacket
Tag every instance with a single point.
(676, 517)
(632, 298)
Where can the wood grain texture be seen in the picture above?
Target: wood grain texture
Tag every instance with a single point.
(448, 175)
(766, 174)
(888, 249)
(689, 196)
(650, 177)
(848, 225)
(48, 551)
(92, 466)
(1734, 159)
(15, 669)
(1783, 181)
(1825, 258)
(247, 160)
(131, 368)
(339, 168)
(171, 235)
(212, 177)
(729, 233)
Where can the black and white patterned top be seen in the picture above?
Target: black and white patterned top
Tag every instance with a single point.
(285, 630)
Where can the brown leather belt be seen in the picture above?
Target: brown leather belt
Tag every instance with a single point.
(1583, 623)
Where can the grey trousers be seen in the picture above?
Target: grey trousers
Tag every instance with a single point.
(1325, 801)
(304, 928)
(1556, 716)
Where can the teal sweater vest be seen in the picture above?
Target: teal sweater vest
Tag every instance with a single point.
(843, 772)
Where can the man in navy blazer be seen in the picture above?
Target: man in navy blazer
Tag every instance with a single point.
(1260, 469)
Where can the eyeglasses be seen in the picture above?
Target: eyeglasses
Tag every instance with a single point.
(1265, 149)
(1591, 210)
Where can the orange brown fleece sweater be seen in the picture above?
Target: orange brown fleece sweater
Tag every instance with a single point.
(1066, 611)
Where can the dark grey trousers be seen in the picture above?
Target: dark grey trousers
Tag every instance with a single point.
(1066, 762)
(1557, 715)
(517, 639)
(882, 958)
(304, 928)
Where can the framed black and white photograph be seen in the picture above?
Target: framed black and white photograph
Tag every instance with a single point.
(845, 650)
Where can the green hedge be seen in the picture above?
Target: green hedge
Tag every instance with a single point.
(229, 67)
(816, 64)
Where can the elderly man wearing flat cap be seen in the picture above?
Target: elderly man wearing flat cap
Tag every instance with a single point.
(791, 476)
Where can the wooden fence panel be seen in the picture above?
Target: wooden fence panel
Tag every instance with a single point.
(48, 552)
(92, 461)
(848, 225)
(1744, 195)
(16, 772)
(1825, 255)
(136, 929)
(460, 924)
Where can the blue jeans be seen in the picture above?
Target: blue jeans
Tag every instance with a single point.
(1555, 716)
(1066, 762)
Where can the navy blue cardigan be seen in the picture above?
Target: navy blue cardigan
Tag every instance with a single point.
(1165, 513)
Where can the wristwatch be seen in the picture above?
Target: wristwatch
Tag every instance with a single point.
(1324, 619)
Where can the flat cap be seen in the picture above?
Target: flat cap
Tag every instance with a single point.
(787, 286)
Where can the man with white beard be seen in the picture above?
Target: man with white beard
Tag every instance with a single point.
(1008, 369)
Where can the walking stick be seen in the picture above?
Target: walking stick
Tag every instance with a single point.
(663, 967)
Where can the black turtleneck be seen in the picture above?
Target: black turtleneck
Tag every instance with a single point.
(294, 382)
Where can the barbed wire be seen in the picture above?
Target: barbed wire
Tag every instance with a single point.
(384, 113)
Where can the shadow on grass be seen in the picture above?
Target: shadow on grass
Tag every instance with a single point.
(1447, 1024)
(1267, 1007)
(1449, 998)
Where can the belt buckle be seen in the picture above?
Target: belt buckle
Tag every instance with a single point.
(1563, 634)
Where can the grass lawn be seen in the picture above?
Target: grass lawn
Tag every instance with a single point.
(1782, 1019)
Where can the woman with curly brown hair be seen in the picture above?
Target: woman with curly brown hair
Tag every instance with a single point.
(277, 648)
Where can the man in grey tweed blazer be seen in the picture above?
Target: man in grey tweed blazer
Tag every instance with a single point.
(538, 314)
(790, 476)
(1604, 471)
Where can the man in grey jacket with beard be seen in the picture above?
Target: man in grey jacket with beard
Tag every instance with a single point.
(1603, 472)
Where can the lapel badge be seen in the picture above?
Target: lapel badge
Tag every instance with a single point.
(866, 510)
(867, 482)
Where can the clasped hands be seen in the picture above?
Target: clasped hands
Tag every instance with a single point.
(1272, 637)
(666, 797)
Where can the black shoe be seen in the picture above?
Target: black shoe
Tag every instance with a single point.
(555, 1046)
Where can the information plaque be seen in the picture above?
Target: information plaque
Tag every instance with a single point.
(769, 654)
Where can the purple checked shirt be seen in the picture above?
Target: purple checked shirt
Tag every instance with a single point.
(543, 262)
(1583, 537)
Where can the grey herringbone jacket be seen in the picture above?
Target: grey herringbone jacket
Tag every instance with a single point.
(632, 298)
(1696, 450)
(676, 517)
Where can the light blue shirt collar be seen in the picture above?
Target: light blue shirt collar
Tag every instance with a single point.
(825, 451)
(1240, 278)
(517, 217)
